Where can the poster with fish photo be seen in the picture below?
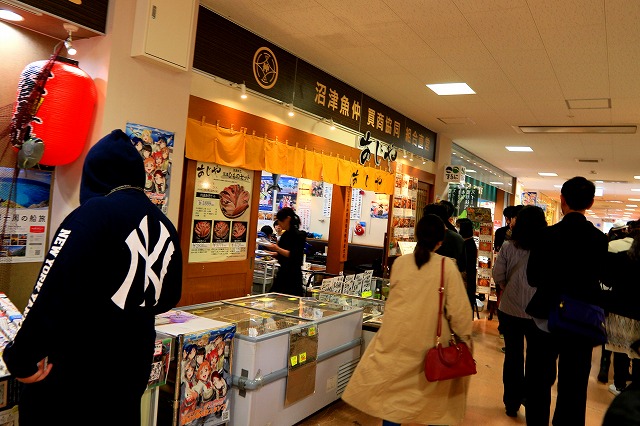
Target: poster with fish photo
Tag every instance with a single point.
(221, 212)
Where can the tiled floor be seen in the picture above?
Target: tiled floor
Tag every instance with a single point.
(484, 403)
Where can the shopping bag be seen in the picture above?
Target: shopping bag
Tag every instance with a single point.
(570, 316)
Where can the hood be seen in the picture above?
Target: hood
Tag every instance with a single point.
(112, 162)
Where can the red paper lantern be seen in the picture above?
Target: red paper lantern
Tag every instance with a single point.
(63, 119)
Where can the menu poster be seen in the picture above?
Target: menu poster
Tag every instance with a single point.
(25, 220)
(327, 195)
(397, 187)
(220, 213)
(356, 203)
(304, 213)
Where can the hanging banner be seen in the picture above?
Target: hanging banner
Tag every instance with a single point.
(25, 229)
(220, 213)
(213, 144)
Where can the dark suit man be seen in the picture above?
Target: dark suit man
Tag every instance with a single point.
(566, 259)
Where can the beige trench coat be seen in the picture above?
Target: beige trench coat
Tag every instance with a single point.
(389, 381)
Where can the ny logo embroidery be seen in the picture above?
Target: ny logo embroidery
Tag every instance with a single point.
(140, 250)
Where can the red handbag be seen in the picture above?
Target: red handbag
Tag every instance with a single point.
(455, 360)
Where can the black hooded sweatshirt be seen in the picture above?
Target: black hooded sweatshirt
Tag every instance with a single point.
(114, 263)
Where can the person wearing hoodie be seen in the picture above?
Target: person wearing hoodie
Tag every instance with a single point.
(114, 263)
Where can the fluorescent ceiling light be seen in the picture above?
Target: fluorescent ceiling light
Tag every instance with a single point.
(597, 103)
(10, 16)
(629, 210)
(598, 181)
(631, 205)
(496, 183)
(456, 120)
(519, 148)
(636, 177)
(448, 89)
(557, 186)
(635, 190)
(599, 192)
(470, 171)
(633, 199)
(547, 174)
(578, 129)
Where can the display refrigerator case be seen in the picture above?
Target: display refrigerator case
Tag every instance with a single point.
(291, 357)
(372, 310)
(197, 390)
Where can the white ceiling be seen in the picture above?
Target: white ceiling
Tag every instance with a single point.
(523, 58)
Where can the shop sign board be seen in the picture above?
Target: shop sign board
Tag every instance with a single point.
(454, 174)
(224, 49)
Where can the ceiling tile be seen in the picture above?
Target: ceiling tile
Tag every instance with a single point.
(508, 29)
(581, 82)
(566, 13)
(524, 64)
(576, 45)
(539, 90)
(360, 13)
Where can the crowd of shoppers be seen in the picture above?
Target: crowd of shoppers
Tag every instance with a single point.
(536, 266)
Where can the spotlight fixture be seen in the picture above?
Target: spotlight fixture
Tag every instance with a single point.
(243, 90)
(8, 15)
(405, 154)
(68, 42)
(332, 125)
(411, 157)
(424, 161)
(291, 113)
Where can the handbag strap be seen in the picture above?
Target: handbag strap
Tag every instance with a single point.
(441, 291)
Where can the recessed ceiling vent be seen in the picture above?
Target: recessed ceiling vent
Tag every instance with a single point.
(589, 160)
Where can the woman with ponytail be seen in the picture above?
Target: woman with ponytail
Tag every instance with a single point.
(389, 381)
(290, 253)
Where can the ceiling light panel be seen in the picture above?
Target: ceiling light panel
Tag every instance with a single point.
(519, 148)
(598, 103)
(579, 129)
(449, 89)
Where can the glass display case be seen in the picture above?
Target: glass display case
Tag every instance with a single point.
(249, 322)
(301, 307)
(371, 308)
(268, 326)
